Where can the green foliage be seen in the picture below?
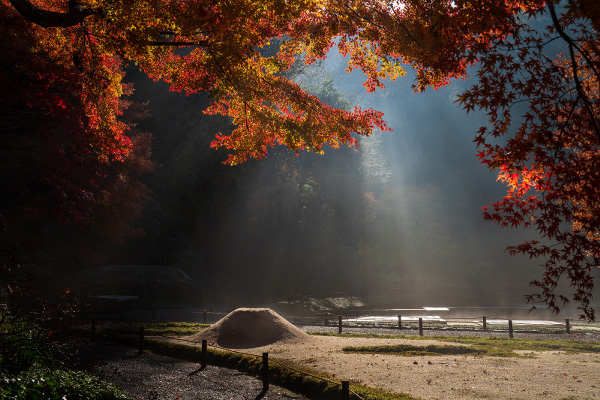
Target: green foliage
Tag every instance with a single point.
(21, 344)
(48, 384)
(329, 94)
(27, 368)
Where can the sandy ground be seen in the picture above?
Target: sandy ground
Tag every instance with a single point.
(550, 375)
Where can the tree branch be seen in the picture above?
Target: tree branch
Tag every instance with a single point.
(580, 91)
(48, 19)
(201, 43)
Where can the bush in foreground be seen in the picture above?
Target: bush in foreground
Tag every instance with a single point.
(49, 384)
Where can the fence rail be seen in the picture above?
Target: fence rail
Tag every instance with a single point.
(492, 324)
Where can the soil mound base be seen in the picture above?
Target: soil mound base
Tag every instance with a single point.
(251, 327)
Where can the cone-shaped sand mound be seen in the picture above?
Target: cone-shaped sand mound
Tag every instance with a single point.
(250, 327)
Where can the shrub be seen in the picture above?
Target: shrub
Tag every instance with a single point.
(49, 384)
(21, 344)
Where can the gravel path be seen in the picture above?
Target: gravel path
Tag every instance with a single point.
(153, 377)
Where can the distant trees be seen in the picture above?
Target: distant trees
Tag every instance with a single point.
(548, 160)
(277, 226)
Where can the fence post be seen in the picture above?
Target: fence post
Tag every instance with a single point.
(339, 324)
(265, 370)
(203, 358)
(510, 329)
(567, 325)
(420, 326)
(399, 321)
(484, 323)
(204, 317)
(141, 350)
(345, 390)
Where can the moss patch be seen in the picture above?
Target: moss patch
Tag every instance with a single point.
(410, 350)
(491, 345)
(155, 328)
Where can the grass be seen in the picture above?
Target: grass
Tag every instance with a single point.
(496, 346)
(484, 346)
(154, 328)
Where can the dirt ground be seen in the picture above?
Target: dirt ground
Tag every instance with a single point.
(549, 375)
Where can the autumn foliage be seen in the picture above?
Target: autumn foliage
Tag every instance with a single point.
(536, 65)
(547, 151)
(70, 157)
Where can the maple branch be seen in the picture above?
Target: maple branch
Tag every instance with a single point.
(212, 55)
(569, 40)
(578, 86)
(382, 28)
(200, 43)
(562, 131)
(48, 19)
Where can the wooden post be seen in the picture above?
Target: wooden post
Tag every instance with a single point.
(203, 358)
(510, 329)
(420, 326)
(484, 323)
(152, 301)
(326, 321)
(141, 350)
(345, 390)
(567, 325)
(399, 321)
(265, 371)
(204, 317)
(339, 324)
